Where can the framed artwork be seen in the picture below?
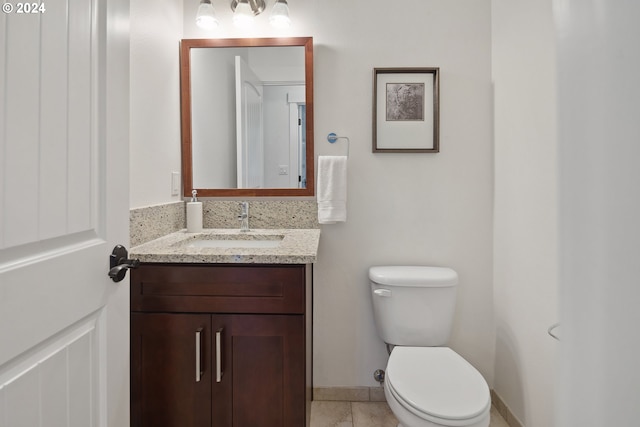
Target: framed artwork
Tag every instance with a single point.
(406, 110)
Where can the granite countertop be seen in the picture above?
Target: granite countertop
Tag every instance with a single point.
(281, 246)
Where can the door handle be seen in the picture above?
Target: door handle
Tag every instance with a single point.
(119, 263)
(199, 370)
(219, 372)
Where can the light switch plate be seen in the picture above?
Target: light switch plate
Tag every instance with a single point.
(175, 183)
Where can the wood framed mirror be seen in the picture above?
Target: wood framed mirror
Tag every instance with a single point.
(247, 117)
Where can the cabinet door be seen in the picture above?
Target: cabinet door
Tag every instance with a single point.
(170, 370)
(263, 364)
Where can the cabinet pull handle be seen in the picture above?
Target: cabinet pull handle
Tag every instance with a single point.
(219, 372)
(199, 354)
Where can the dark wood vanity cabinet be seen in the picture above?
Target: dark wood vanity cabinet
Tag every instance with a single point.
(164, 391)
(220, 345)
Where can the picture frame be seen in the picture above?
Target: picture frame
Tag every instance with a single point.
(406, 110)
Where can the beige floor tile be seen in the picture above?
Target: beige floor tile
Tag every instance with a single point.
(372, 414)
(331, 414)
(366, 414)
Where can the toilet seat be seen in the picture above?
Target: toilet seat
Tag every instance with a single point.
(438, 385)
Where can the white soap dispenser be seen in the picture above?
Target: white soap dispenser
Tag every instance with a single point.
(194, 214)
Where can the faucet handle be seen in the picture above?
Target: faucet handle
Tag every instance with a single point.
(244, 216)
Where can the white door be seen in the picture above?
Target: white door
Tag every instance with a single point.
(249, 127)
(64, 353)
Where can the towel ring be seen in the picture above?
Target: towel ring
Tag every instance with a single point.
(332, 138)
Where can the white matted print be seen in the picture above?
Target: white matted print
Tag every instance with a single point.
(405, 110)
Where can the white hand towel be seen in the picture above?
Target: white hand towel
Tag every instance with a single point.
(332, 189)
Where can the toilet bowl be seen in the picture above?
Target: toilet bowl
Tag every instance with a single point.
(426, 384)
(435, 387)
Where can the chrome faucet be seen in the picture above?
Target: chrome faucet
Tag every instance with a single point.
(244, 216)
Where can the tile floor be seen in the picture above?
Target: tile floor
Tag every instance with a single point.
(365, 414)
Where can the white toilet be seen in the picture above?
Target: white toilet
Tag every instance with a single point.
(426, 384)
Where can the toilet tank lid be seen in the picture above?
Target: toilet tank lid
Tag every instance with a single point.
(405, 275)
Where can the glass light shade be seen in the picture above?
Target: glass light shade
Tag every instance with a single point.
(243, 17)
(206, 16)
(280, 15)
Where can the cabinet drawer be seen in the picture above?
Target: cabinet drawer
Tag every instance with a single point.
(220, 288)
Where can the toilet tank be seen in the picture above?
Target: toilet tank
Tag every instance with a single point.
(413, 305)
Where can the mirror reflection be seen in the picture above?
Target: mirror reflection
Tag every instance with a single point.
(246, 122)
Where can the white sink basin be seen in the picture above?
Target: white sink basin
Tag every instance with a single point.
(248, 241)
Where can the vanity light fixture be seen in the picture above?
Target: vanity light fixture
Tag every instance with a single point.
(280, 14)
(244, 13)
(206, 17)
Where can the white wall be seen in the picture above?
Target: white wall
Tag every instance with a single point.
(404, 209)
(416, 209)
(599, 135)
(156, 29)
(213, 88)
(525, 210)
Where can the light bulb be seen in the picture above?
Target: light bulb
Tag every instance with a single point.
(243, 16)
(280, 15)
(206, 16)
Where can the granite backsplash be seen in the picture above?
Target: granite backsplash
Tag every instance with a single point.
(149, 223)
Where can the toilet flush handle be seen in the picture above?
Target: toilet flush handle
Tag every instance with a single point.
(382, 292)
